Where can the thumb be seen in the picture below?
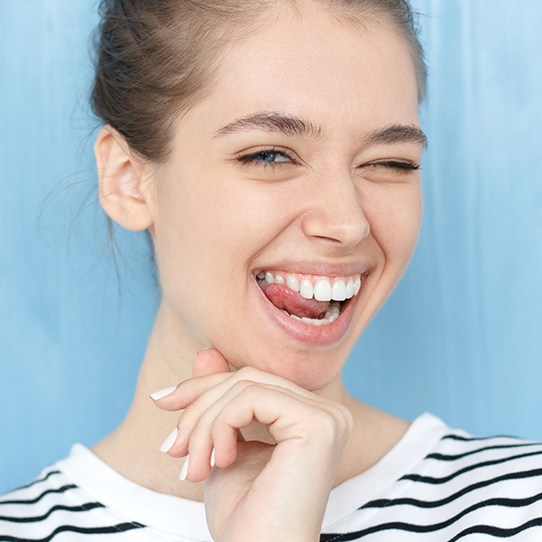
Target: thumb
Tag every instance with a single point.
(208, 362)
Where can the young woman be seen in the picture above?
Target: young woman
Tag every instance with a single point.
(272, 151)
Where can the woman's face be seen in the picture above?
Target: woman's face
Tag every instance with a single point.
(299, 163)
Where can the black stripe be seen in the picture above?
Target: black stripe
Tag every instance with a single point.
(120, 528)
(412, 528)
(36, 499)
(383, 503)
(432, 480)
(474, 439)
(37, 481)
(447, 457)
(496, 531)
(32, 519)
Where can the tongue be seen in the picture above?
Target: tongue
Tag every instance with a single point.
(283, 298)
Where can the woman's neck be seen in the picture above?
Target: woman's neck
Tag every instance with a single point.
(133, 448)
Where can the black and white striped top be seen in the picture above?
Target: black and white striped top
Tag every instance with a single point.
(437, 484)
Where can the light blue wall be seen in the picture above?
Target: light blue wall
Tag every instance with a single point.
(461, 336)
(69, 346)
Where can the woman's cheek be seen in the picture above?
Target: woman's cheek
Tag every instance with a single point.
(394, 213)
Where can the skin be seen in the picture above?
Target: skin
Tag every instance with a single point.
(215, 220)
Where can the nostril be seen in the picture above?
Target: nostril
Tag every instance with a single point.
(340, 228)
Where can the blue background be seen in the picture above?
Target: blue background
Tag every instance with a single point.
(460, 337)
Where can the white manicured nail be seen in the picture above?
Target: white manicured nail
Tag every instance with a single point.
(184, 470)
(168, 443)
(213, 461)
(162, 393)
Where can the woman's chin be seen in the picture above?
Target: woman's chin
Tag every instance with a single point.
(312, 372)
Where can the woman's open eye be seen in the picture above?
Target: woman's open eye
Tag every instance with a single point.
(267, 158)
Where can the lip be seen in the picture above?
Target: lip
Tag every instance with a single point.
(326, 335)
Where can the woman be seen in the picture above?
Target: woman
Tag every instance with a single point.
(272, 151)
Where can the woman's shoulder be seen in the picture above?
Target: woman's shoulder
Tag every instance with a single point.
(82, 496)
(458, 454)
(53, 504)
(449, 484)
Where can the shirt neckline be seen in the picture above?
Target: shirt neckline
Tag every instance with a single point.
(185, 518)
(421, 436)
(176, 516)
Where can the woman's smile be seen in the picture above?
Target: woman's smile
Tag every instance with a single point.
(323, 330)
(311, 308)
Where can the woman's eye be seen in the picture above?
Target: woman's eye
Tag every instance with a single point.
(266, 158)
(399, 166)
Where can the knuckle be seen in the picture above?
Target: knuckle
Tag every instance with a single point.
(248, 373)
(218, 426)
(333, 425)
(188, 416)
(251, 389)
(242, 385)
(200, 431)
(346, 418)
(326, 424)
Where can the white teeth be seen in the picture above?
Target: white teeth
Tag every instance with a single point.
(322, 290)
(357, 285)
(331, 315)
(293, 283)
(338, 292)
(306, 289)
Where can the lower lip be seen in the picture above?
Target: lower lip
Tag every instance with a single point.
(324, 335)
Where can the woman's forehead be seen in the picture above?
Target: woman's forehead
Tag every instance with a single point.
(319, 69)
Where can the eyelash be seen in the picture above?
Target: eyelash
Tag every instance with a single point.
(251, 159)
(401, 167)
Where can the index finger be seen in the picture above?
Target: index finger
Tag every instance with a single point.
(182, 396)
(207, 363)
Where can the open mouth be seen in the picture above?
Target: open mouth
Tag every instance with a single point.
(317, 301)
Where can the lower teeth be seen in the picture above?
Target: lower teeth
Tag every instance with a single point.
(331, 315)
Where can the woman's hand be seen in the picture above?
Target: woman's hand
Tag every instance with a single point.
(258, 491)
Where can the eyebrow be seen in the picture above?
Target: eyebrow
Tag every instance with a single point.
(291, 125)
(271, 121)
(397, 133)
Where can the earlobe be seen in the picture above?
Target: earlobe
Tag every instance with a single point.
(121, 181)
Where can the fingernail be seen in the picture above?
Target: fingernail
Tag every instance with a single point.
(202, 350)
(184, 470)
(162, 393)
(170, 440)
(213, 461)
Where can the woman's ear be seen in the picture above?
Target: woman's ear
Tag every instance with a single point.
(122, 181)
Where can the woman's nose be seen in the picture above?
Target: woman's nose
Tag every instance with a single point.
(336, 215)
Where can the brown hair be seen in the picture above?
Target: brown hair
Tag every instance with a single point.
(154, 58)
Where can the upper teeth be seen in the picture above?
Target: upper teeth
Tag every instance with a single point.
(321, 288)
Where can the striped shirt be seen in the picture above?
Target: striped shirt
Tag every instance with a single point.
(437, 484)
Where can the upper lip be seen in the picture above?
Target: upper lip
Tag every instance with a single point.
(326, 269)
